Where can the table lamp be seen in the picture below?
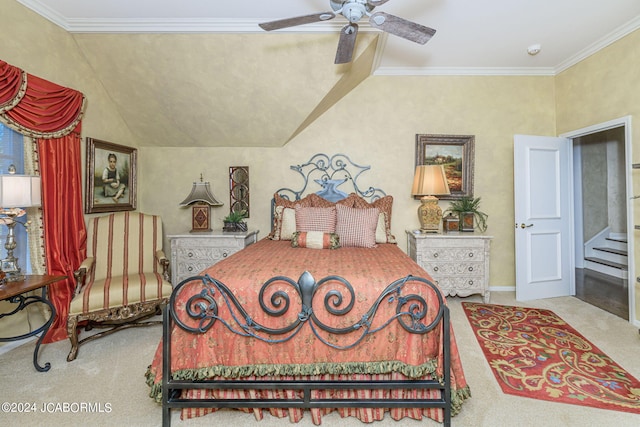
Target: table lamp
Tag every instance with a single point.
(16, 192)
(201, 199)
(429, 181)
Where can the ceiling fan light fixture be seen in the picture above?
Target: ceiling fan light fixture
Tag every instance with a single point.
(353, 12)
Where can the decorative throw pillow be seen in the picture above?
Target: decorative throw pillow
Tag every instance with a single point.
(316, 219)
(385, 204)
(315, 240)
(357, 227)
(280, 204)
(381, 229)
(284, 223)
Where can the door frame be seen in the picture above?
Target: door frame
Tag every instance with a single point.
(615, 123)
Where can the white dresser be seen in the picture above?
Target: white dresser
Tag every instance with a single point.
(458, 263)
(191, 253)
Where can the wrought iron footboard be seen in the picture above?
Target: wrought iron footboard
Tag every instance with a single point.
(202, 309)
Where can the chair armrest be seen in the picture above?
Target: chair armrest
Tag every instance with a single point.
(164, 262)
(81, 273)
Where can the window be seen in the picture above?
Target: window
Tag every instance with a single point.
(12, 153)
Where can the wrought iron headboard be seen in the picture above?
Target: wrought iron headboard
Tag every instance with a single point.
(329, 172)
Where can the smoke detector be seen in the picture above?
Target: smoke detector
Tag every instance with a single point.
(534, 49)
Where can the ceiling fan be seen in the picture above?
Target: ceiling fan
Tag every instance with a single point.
(353, 11)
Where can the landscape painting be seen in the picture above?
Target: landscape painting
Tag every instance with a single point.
(455, 153)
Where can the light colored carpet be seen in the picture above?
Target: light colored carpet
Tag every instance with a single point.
(110, 372)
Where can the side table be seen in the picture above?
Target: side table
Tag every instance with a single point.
(458, 262)
(192, 253)
(13, 292)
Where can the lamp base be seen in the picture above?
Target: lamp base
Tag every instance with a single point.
(429, 215)
(12, 270)
(200, 218)
(10, 263)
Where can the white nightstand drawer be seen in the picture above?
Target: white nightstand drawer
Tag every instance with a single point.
(454, 268)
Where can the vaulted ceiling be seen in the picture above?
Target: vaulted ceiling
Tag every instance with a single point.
(202, 73)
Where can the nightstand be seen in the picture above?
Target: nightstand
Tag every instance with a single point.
(458, 263)
(191, 253)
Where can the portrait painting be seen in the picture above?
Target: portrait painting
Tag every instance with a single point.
(110, 177)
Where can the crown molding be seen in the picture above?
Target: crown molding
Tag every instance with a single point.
(464, 71)
(609, 39)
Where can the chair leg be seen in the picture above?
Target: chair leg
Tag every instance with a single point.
(72, 333)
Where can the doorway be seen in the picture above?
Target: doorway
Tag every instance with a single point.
(603, 214)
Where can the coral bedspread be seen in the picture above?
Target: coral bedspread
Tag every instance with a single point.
(390, 351)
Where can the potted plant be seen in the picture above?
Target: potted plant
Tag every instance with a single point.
(468, 210)
(234, 221)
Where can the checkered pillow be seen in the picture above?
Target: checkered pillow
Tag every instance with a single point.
(357, 227)
(316, 219)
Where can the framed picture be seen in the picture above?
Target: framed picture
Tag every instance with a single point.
(454, 152)
(111, 177)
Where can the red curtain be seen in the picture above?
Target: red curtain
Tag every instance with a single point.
(52, 114)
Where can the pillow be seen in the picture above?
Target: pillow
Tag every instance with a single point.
(280, 204)
(357, 227)
(284, 224)
(385, 204)
(316, 219)
(315, 240)
(381, 229)
(319, 201)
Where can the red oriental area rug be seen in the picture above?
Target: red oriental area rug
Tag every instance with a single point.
(534, 353)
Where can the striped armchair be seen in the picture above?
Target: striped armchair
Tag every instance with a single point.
(123, 281)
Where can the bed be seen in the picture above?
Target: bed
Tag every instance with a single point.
(313, 318)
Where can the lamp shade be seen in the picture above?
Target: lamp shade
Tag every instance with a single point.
(19, 191)
(201, 193)
(430, 180)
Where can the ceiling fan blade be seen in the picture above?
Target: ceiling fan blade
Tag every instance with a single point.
(347, 43)
(375, 3)
(298, 20)
(401, 27)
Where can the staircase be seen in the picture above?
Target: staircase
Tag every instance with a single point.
(608, 255)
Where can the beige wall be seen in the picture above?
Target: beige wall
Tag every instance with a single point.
(604, 87)
(376, 125)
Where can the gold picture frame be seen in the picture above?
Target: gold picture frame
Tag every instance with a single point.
(118, 191)
(456, 153)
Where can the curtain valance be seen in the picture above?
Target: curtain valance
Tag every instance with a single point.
(36, 107)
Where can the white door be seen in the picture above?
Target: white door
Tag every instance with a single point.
(543, 214)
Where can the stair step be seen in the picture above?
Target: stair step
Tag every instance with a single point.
(616, 239)
(607, 263)
(612, 250)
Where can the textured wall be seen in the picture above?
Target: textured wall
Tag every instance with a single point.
(594, 185)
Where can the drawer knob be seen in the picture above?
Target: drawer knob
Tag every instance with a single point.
(471, 282)
(470, 268)
(470, 254)
(435, 255)
(224, 255)
(435, 268)
(190, 254)
(190, 269)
